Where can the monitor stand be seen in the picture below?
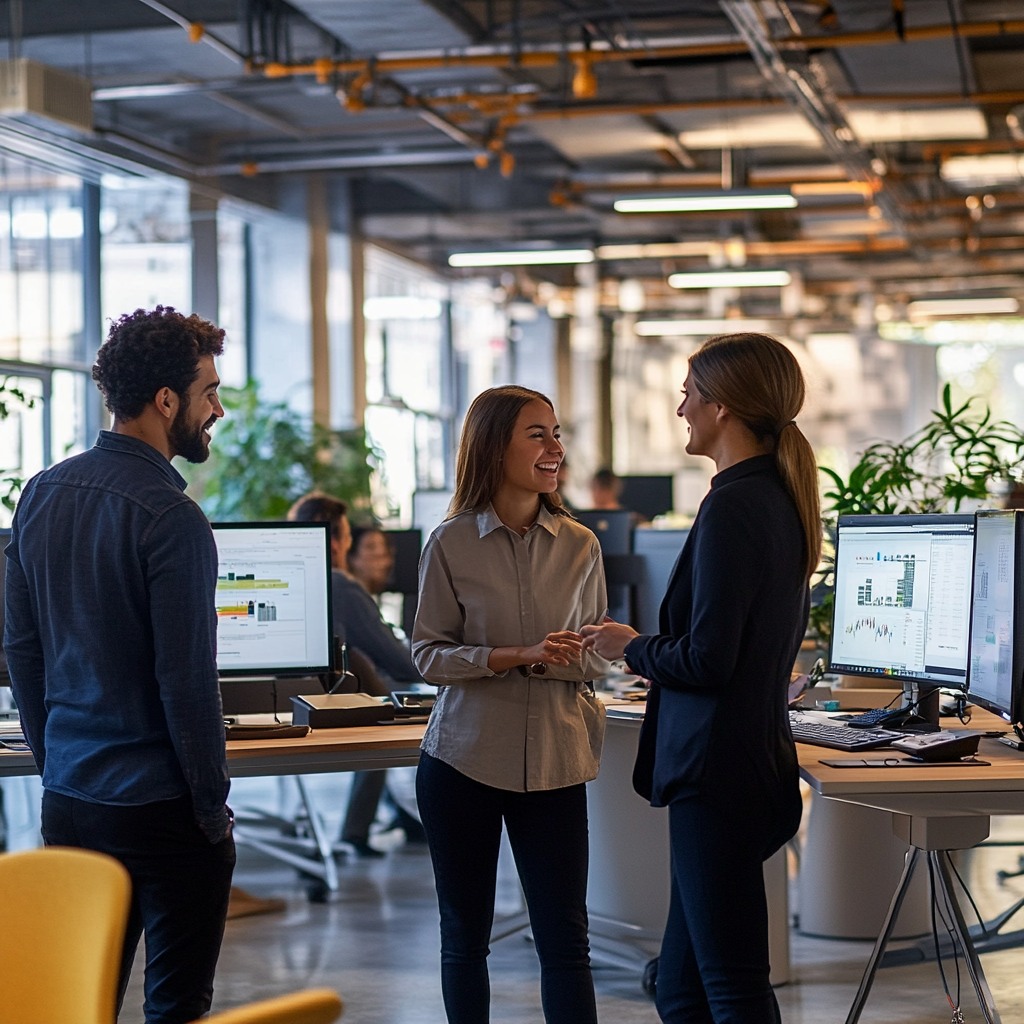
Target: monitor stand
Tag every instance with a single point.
(925, 717)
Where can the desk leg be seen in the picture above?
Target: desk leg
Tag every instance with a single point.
(319, 830)
(883, 938)
(940, 861)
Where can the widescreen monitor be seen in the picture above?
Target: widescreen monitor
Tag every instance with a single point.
(997, 633)
(651, 496)
(274, 615)
(903, 597)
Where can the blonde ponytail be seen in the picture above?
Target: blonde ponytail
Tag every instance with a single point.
(799, 471)
(760, 382)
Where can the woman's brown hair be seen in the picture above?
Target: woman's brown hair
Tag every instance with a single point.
(486, 435)
(760, 382)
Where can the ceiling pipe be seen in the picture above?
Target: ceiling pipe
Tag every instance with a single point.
(552, 55)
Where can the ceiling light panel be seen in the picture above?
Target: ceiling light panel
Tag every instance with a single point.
(981, 171)
(918, 125)
(522, 258)
(784, 128)
(732, 279)
(697, 328)
(963, 307)
(692, 204)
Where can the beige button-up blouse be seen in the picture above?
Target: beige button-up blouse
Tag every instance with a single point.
(483, 586)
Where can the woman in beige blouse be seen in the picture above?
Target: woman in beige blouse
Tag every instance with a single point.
(506, 583)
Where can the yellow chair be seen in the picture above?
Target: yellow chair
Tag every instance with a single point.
(64, 916)
(317, 1006)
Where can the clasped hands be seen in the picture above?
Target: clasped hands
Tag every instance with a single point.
(608, 640)
(565, 647)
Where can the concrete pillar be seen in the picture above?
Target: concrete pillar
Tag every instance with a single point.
(586, 344)
(357, 267)
(318, 215)
(205, 278)
(96, 415)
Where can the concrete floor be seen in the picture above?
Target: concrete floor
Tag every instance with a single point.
(377, 944)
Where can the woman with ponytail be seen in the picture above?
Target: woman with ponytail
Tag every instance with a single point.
(716, 747)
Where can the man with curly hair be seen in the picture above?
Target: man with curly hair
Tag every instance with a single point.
(111, 640)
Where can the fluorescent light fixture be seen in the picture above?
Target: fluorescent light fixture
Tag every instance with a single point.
(986, 169)
(732, 279)
(401, 307)
(696, 204)
(696, 328)
(918, 125)
(963, 307)
(749, 131)
(523, 258)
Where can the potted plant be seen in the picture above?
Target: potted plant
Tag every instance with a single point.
(958, 460)
(264, 456)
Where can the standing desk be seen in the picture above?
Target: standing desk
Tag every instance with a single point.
(934, 810)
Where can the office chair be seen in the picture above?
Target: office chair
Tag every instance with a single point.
(65, 913)
(317, 1006)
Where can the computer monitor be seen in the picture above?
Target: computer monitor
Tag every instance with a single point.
(903, 598)
(651, 496)
(613, 529)
(997, 633)
(274, 615)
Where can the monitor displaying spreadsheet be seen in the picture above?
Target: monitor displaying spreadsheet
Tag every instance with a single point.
(994, 613)
(273, 600)
(903, 597)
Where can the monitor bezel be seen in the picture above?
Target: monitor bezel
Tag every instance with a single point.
(298, 671)
(1017, 657)
(910, 519)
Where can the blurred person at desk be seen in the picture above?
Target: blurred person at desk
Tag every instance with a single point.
(358, 622)
(506, 582)
(605, 491)
(111, 641)
(716, 747)
(370, 558)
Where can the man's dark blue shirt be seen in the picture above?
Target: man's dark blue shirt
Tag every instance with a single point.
(111, 632)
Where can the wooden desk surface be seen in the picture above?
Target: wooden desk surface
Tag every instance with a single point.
(323, 750)
(951, 790)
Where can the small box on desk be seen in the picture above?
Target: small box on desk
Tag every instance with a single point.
(339, 710)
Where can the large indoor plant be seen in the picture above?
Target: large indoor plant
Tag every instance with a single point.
(264, 455)
(958, 460)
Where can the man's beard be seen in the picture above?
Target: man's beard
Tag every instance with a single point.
(187, 437)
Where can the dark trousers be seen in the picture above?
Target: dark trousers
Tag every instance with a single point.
(713, 967)
(367, 788)
(548, 833)
(180, 886)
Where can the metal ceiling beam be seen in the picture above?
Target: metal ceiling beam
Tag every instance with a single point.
(254, 113)
(810, 94)
(197, 32)
(347, 162)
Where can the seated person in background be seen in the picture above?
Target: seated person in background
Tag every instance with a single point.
(371, 558)
(605, 490)
(358, 622)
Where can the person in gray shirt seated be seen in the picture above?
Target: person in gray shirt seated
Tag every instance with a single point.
(358, 622)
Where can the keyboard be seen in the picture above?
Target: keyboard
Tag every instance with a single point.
(874, 717)
(840, 737)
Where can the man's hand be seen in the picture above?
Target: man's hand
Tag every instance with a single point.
(609, 640)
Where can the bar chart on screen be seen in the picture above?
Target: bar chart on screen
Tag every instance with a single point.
(261, 612)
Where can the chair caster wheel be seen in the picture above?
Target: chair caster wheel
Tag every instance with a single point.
(318, 892)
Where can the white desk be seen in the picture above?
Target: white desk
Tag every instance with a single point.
(934, 810)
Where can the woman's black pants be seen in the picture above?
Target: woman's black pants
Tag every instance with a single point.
(713, 967)
(548, 833)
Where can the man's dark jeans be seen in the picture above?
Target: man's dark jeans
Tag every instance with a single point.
(180, 888)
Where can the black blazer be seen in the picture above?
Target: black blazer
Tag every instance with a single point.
(717, 723)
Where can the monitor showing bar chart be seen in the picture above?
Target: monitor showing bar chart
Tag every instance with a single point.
(273, 598)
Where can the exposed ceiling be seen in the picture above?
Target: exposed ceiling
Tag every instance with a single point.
(899, 126)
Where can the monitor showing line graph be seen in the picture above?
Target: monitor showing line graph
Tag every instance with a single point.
(903, 597)
(273, 598)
